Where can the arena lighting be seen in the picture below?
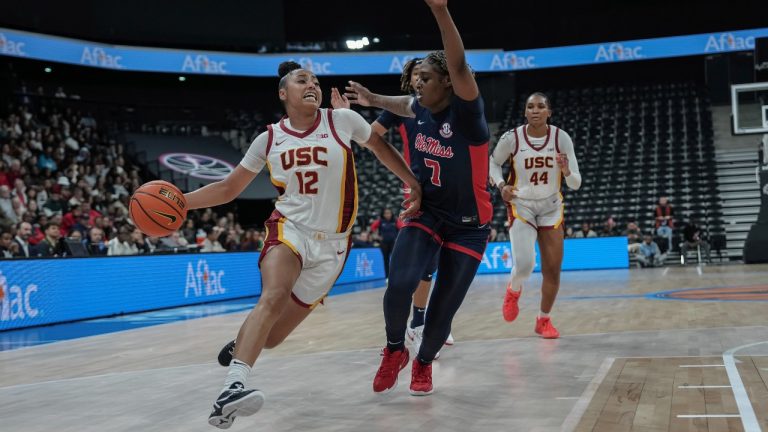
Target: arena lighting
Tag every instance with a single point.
(355, 44)
(182, 78)
(48, 70)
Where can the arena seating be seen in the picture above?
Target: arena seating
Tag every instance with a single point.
(634, 144)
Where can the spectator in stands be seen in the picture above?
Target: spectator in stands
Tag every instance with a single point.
(569, 232)
(173, 241)
(23, 232)
(55, 204)
(665, 220)
(609, 228)
(362, 240)
(585, 231)
(8, 215)
(649, 254)
(692, 239)
(6, 245)
(189, 231)
(145, 245)
(75, 235)
(123, 243)
(634, 237)
(51, 245)
(211, 242)
(385, 228)
(251, 241)
(95, 242)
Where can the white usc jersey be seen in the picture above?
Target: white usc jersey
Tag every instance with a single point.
(313, 170)
(533, 162)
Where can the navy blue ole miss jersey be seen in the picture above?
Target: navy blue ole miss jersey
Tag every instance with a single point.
(405, 126)
(449, 155)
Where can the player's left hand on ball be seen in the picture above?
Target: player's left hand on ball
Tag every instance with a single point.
(413, 203)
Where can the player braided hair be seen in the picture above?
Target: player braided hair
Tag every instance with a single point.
(285, 69)
(438, 60)
(405, 78)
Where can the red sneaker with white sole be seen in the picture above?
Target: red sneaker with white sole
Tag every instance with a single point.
(421, 379)
(545, 328)
(392, 363)
(510, 309)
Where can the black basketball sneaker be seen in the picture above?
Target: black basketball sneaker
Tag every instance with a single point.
(232, 402)
(226, 353)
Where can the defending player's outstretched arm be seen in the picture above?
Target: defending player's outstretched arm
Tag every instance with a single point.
(462, 80)
(399, 105)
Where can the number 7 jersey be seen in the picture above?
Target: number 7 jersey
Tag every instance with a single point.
(313, 170)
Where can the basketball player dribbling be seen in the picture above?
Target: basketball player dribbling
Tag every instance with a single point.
(310, 162)
(540, 155)
(449, 154)
(405, 126)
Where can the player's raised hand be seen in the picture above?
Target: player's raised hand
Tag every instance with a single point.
(412, 204)
(508, 193)
(562, 162)
(338, 100)
(357, 94)
(436, 3)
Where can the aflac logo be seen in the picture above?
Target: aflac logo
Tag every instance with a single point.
(203, 64)
(97, 56)
(728, 42)
(396, 65)
(16, 301)
(363, 266)
(617, 51)
(8, 46)
(499, 256)
(202, 281)
(512, 61)
(318, 68)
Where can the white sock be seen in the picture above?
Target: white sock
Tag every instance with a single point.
(543, 315)
(238, 372)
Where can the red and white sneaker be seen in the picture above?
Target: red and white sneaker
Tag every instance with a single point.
(391, 365)
(545, 328)
(510, 309)
(421, 379)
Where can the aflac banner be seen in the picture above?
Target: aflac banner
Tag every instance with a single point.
(63, 50)
(45, 291)
(580, 254)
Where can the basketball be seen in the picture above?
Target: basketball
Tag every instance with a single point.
(158, 208)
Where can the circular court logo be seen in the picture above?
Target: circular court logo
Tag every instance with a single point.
(197, 165)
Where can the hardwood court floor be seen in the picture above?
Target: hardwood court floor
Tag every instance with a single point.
(498, 376)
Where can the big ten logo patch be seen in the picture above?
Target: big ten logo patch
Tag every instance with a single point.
(303, 156)
(202, 281)
(16, 302)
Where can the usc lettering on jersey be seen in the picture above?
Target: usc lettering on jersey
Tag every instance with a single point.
(314, 170)
(533, 168)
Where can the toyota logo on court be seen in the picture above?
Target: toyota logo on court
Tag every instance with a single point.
(197, 165)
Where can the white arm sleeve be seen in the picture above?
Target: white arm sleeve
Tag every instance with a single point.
(351, 125)
(566, 146)
(499, 157)
(256, 156)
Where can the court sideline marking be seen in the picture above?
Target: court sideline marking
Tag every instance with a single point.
(578, 410)
(748, 417)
